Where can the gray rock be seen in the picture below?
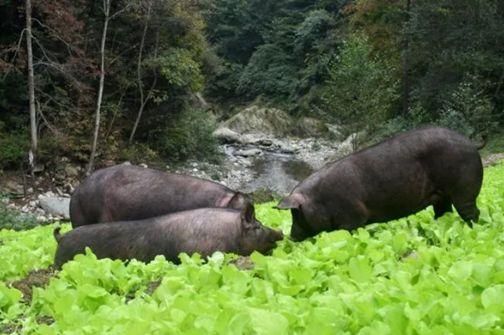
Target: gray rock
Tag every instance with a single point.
(69, 189)
(265, 142)
(493, 159)
(38, 168)
(252, 139)
(286, 148)
(348, 145)
(248, 152)
(41, 218)
(335, 131)
(344, 149)
(13, 187)
(56, 206)
(226, 135)
(245, 162)
(257, 119)
(201, 100)
(39, 211)
(311, 127)
(71, 171)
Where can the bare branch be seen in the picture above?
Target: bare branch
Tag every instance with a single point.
(122, 53)
(31, 89)
(56, 102)
(77, 84)
(44, 119)
(106, 8)
(42, 49)
(119, 11)
(143, 101)
(68, 45)
(15, 53)
(114, 116)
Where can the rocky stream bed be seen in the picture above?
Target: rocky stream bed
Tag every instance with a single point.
(259, 156)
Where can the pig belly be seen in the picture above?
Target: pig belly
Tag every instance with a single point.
(401, 196)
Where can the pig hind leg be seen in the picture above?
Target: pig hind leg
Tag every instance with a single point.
(77, 216)
(441, 207)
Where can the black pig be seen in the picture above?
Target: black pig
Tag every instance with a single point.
(203, 230)
(126, 193)
(390, 180)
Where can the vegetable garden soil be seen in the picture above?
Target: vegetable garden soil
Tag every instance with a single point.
(36, 278)
(415, 275)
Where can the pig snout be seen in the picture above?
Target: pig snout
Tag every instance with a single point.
(272, 237)
(263, 240)
(276, 235)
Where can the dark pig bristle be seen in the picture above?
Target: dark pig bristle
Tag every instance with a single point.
(126, 192)
(392, 179)
(204, 231)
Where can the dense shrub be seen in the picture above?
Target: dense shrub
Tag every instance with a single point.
(361, 90)
(188, 136)
(415, 118)
(138, 153)
(269, 72)
(14, 148)
(15, 220)
(468, 110)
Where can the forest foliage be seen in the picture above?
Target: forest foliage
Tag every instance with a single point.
(390, 64)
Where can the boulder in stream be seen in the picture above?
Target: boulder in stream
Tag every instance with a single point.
(264, 120)
(56, 206)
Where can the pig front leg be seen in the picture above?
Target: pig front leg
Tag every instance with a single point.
(441, 207)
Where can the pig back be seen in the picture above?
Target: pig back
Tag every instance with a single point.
(125, 192)
(396, 177)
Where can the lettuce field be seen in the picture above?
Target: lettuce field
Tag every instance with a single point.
(410, 276)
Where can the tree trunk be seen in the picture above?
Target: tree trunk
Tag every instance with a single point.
(106, 9)
(143, 101)
(405, 68)
(31, 90)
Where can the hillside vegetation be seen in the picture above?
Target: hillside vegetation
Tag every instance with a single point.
(375, 65)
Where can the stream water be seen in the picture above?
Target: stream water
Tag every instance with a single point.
(267, 164)
(277, 173)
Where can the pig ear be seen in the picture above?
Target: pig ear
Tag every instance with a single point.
(238, 199)
(240, 195)
(290, 202)
(248, 213)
